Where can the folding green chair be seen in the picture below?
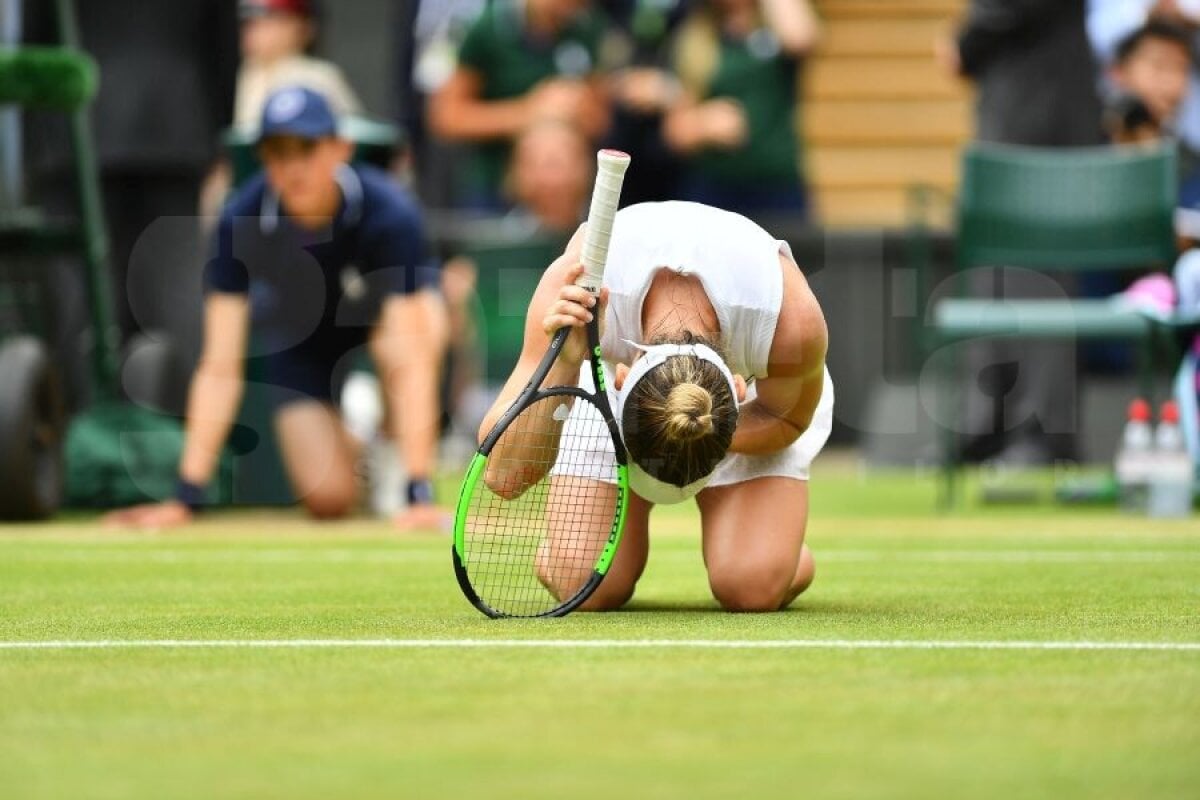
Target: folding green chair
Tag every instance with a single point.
(1068, 210)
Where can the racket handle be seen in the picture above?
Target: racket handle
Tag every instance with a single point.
(610, 174)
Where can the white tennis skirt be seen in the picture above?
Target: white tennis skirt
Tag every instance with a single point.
(794, 461)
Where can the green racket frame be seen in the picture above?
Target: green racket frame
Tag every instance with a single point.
(529, 395)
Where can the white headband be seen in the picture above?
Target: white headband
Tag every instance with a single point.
(645, 484)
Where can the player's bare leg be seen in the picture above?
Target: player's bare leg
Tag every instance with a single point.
(754, 543)
(319, 458)
(629, 563)
(565, 560)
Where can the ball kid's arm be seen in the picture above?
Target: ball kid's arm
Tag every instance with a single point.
(216, 389)
(408, 346)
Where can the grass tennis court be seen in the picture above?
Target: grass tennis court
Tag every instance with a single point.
(854, 703)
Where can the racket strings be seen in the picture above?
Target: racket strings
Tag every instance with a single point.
(541, 516)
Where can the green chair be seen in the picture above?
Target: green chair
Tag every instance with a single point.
(1051, 210)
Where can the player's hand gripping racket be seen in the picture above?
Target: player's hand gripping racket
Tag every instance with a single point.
(542, 506)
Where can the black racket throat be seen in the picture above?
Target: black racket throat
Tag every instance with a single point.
(534, 390)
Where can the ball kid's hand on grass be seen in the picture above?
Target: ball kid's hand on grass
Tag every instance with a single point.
(423, 518)
(150, 516)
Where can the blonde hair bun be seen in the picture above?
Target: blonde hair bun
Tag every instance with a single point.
(689, 412)
(678, 420)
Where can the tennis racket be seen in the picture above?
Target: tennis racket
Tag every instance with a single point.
(542, 506)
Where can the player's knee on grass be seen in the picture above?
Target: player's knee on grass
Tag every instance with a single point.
(565, 581)
(559, 577)
(611, 595)
(752, 586)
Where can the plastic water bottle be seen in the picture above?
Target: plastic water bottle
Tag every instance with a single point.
(1135, 459)
(1172, 471)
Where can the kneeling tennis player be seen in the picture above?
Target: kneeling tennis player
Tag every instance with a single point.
(716, 346)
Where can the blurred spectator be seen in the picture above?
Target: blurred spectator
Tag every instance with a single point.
(1151, 71)
(550, 175)
(1152, 65)
(278, 38)
(643, 88)
(1033, 69)
(428, 37)
(1146, 85)
(1036, 80)
(520, 61)
(736, 116)
(1110, 23)
(277, 41)
(166, 90)
(1113, 24)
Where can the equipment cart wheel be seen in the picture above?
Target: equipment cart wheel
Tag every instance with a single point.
(31, 431)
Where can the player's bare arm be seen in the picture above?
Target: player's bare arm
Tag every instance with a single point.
(557, 302)
(544, 317)
(457, 112)
(788, 396)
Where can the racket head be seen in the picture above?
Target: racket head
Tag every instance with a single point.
(540, 548)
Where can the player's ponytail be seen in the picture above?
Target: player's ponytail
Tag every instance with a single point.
(688, 413)
(679, 419)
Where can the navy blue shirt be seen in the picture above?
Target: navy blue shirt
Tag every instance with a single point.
(312, 284)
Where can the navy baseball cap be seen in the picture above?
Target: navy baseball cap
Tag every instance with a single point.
(296, 111)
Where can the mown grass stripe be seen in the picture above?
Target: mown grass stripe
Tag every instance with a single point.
(602, 644)
(349, 555)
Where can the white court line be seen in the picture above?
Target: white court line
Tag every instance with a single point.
(234, 555)
(1015, 556)
(597, 644)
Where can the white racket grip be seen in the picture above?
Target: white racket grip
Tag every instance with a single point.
(606, 194)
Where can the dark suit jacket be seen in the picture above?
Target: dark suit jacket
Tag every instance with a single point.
(1035, 72)
(167, 73)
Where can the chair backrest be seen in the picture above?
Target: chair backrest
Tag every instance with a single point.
(1066, 209)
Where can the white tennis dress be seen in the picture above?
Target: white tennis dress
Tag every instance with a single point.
(737, 262)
